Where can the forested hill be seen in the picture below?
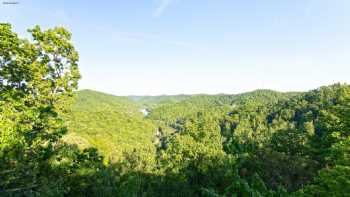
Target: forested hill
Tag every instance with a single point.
(173, 111)
(94, 100)
(153, 101)
(110, 123)
(115, 124)
(278, 142)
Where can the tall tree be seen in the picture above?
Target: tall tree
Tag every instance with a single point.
(36, 78)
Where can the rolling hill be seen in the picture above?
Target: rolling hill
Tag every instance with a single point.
(110, 123)
(115, 124)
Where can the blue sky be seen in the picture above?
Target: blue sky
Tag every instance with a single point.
(151, 47)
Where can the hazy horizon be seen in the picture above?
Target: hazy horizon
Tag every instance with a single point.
(172, 47)
(193, 94)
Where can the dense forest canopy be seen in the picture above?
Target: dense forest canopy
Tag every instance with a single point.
(56, 141)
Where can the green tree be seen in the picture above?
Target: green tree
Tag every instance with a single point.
(37, 80)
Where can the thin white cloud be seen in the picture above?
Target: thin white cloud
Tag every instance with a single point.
(162, 5)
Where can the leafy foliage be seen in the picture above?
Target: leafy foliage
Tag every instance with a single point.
(37, 77)
(112, 124)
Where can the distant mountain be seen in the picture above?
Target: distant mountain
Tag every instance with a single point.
(152, 101)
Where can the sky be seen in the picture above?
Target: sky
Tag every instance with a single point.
(153, 47)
